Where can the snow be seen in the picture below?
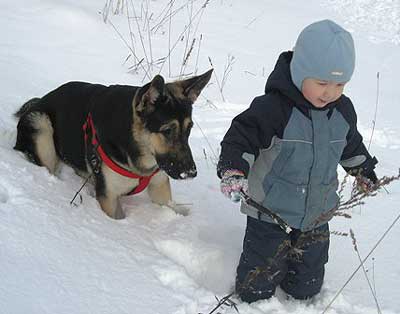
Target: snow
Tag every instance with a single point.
(58, 258)
(380, 20)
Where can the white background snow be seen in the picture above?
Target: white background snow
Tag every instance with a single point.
(55, 258)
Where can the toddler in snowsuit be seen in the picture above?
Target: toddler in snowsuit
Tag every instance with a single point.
(284, 151)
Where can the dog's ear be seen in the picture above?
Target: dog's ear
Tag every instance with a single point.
(192, 87)
(148, 95)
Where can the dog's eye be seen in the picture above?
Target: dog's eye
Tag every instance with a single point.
(167, 132)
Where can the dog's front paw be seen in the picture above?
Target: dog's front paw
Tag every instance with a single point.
(119, 213)
(180, 209)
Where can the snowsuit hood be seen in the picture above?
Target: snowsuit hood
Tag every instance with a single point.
(280, 80)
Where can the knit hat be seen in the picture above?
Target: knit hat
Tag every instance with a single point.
(325, 51)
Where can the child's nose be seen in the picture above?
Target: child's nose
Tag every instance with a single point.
(329, 92)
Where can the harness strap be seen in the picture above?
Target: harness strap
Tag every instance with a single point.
(144, 181)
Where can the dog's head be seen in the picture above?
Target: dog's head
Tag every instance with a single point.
(163, 120)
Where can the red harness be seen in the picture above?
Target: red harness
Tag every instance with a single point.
(144, 181)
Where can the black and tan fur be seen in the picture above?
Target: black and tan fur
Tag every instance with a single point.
(139, 128)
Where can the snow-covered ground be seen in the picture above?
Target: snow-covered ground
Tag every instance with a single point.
(55, 258)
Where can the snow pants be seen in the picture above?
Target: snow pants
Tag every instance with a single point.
(272, 258)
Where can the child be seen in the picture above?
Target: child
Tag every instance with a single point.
(288, 145)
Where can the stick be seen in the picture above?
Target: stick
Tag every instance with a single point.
(285, 227)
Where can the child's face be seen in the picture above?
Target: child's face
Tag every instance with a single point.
(320, 93)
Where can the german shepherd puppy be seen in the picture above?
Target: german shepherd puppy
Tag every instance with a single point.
(96, 129)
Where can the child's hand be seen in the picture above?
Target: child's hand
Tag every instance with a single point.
(232, 182)
(366, 184)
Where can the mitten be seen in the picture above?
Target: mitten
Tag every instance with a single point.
(366, 183)
(232, 182)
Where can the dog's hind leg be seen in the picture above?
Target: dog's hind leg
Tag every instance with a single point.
(44, 141)
(35, 139)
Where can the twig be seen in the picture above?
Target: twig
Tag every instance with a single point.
(79, 190)
(376, 109)
(342, 186)
(255, 19)
(265, 211)
(196, 67)
(169, 38)
(208, 142)
(131, 34)
(339, 233)
(364, 271)
(362, 262)
(189, 29)
(251, 73)
(165, 9)
(225, 301)
(188, 55)
(357, 196)
(148, 18)
(141, 37)
(228, 69)
(373, 273)
(167, 16)
(179, 37)
(216, 78)
(132, 51)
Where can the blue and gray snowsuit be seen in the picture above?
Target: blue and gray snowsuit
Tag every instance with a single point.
(290, 150)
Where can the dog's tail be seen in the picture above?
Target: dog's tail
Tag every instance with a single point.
(27, 107)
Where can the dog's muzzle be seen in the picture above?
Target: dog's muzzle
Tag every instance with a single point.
(188, 174)
(177, 169)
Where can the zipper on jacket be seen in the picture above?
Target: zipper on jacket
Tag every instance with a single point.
(311, 169)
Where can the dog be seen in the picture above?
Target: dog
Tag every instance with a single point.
(124, 138)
